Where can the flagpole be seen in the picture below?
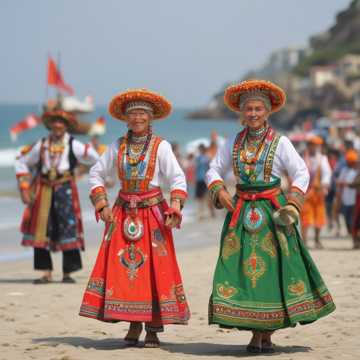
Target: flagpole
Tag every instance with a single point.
(47, 81)
(59, 95)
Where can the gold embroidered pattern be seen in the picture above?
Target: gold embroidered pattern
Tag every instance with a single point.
(231, 245)
(268, 244)
(225, 291)
(254, 266)
(297, 288)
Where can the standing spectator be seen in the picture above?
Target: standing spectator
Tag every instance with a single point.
(189, 169)
(333, 157)
(314, 213)
(346, 191)
(202, 162)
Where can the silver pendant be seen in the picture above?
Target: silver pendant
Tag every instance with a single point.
(133, 228)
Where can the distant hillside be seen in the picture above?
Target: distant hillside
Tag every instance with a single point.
(342, 38)
(289, 68)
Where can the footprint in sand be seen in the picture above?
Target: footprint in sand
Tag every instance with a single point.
(35, 347)
(99, 332)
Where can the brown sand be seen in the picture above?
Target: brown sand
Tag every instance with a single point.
(42, 322)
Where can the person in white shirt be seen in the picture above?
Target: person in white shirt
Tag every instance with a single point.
(346, 192)
(52, 218)
(136, 277)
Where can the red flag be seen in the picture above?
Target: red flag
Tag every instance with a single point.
(98, 127)
(52, 72)
(29, 122)
(54, 78)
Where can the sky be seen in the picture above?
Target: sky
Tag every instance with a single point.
(184, 49)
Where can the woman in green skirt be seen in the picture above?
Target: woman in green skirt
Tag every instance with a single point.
(265, 278)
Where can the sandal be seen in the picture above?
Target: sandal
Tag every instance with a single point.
(42, 280)
(68, 280)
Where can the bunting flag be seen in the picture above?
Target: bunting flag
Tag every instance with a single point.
(29, 122)
(98, 127)
(55, 78)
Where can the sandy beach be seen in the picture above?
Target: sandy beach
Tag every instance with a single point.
(42, 322)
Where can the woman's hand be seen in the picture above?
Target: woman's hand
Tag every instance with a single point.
(286, 215)
(172, 220)
(225, 200)
(173, 215)
(106, 214)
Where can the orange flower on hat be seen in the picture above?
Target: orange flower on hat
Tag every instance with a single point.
(161, 106)
(275, 94)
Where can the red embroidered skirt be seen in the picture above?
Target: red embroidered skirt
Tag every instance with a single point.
(137, 280)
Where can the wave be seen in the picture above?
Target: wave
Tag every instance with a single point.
(7, 157)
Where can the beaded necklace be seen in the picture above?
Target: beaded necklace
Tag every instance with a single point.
(136, 148)
(252, 146)
(257, 134)
(56, 148)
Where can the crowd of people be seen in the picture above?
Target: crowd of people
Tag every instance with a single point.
(195, 165)
(333, 191)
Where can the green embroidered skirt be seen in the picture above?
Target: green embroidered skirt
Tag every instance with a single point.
(265, 278)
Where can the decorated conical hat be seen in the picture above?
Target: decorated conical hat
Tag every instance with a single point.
(49, 116)
(233, 94)
(119, 104)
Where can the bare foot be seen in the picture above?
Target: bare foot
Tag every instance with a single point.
(319, 245)
(151, 340)
(132, 337)
(266, 345)
(255, 343)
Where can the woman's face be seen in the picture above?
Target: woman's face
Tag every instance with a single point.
(254, 114)
(139, 121)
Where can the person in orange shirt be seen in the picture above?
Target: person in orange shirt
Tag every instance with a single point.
(313, 213)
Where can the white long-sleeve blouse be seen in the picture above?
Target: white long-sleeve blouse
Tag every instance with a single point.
(167, 169)
(84, 154)
(286, 159)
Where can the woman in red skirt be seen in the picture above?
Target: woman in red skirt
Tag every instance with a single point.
(136, 276)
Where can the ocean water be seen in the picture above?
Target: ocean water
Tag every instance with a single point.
(175, 129)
